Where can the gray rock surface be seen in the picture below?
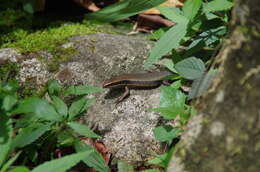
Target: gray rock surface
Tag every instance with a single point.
(127, 127)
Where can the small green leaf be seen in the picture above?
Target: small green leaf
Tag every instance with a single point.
(176, 84)
(29, 134)
(190, 68)
(41, 108)
(9, 101)
(79, 107)
(201, 85)
(54, 87)
(217, 5)
(95, 161)
(60, 106)
(6, 132)
(166, 133)
(168, 41)
(62, 164)
(124, 167)
(157, 34)
(65, 138)
(29, 6)
(82, 130)
(82, 90)
(191, 8)
(19, 169)
(123, 9)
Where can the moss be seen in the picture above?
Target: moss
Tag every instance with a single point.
(47, 39)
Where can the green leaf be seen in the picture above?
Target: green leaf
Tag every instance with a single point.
(159, 160)
(62, 164)
(123, 10)
(81, 90)
(157, 34)
(172, 102)
(6, 132)
(60, 106)
(172, 13)
(169, 64)
(9, 101)
(176, 84)
(168, 41)
(124, 167)
(79, 107)
(201, 85)
(217, 5)
(54, 87)
(41, 108)
(95, 161)
(171, 97)
(162, 160)
(29, 134)
(190, 68)
(19, 169)
(65, 138)
(82, 130)
(168, 113)
(191, 8)
(166, 133)
(10, 161)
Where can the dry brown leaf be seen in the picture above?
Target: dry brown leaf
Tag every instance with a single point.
(169, 3)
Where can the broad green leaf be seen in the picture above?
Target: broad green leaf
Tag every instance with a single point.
(6, 132)
(166, 133)
(190, 68)
(217, 5)
(168, 41)
(171, 97)
(82, 130)
(123, 9)
(79, 107)
(124, 167)
(172, 13)
(54, 87)
(62, 164)
(191, 8)
(81, 90)
(172, 102)
(95, 161)
(40, 107)
(201, 85)
(19, 169)
(9, 87)
(60, 106)
(9, 101)
(29, 134)
(168, 113)
(10, 161)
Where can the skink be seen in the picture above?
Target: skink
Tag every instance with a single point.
(138, 80)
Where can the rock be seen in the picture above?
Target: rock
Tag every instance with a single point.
(9, 54)
(127, 127)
